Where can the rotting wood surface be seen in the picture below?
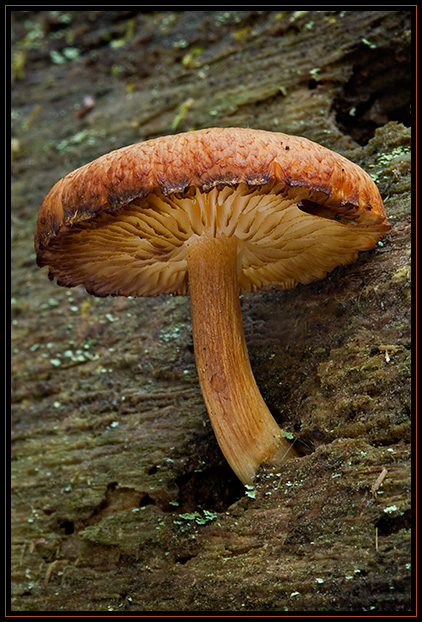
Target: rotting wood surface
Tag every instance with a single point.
(120, 498)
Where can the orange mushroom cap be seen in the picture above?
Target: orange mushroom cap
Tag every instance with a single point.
(119, 224)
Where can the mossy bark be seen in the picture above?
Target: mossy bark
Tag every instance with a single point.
(120, 497)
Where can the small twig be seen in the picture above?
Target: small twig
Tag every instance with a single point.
(52, 567)
(389, 349)
(381, 477)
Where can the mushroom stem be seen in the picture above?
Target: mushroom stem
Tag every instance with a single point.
(245, 429)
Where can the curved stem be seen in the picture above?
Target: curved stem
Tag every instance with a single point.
(245, 429)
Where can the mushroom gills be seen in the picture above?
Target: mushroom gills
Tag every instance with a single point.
(283, 239)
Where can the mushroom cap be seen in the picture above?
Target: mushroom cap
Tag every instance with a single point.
(119, 224)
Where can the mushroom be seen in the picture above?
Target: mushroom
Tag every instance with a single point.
(211, 213)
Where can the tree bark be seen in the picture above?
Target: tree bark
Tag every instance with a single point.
(120, 497)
